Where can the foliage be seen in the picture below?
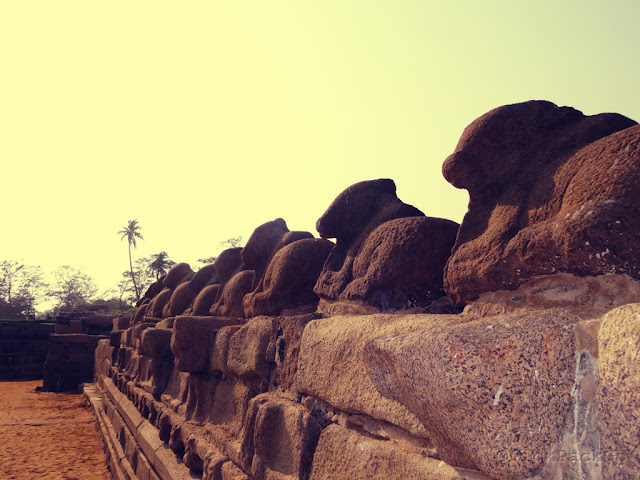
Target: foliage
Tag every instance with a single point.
(206, 261)
(132, 232)
(107, 304)
(159, 264)
(144, 274)
(232, 242)
(21, 287)
(72, 288)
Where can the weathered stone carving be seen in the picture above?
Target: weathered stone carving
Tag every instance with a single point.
(228, 264)
(533, 380)
(388, 255)
(551, 190)
(288, 282)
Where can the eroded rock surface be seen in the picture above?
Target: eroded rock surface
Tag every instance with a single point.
(289, 279)
(401, 262)
(225, 373)
(381, 266)
(492, 392)
(551, 190)
(286, 266)
(618, 393)
(588, 297)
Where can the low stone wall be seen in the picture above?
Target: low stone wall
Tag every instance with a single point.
(23, 349)
(70, 354)
(233, 409)
(69, 361)
(505, 348)
(525, 393)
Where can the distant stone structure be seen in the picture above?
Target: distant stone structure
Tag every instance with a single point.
(23, 349)
(294, 358)
(71, 347)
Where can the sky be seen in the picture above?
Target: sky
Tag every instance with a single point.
(205, 119)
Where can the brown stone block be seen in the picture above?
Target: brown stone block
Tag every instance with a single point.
(290, 331)
(69, 338)
(618, 397)
(156, 342)
(115, 338)
(221, 348)
(492, 392)
(192, 341)
(229, 471)
(332, 357)
(61, 329)
(120, 323)
(344, 453)
(252, 348)
(285, 436)
(230, 403)
(75, 326)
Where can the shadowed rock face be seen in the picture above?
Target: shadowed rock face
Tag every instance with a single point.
(352, 216)
(178, 274)
(262, 244)
(400, 264)
(230, 304)
(286, 265)
(228, 264)
(388, 255)
(207, 275)
(550, 190)
(289, 279)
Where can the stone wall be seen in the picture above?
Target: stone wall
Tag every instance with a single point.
(507, 349)
(23, 349)
(70, 352)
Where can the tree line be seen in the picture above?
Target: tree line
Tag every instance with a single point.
(23, 286)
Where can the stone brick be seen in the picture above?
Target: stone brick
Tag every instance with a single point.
(344, 453)
(252, 349)
(192, 341)
(285, 437)
(618, 392)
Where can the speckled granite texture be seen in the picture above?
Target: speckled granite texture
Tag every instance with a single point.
(619, 393)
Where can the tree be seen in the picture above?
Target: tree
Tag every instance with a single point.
(132, 232)
(31, 289)
(206, 261)
(232, 242)
(21, 286)
(159, 264)
(72, 288)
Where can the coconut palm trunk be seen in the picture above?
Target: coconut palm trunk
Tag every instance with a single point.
(131, 232)
(133, 277)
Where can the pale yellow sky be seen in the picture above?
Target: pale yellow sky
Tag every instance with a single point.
(205, 119)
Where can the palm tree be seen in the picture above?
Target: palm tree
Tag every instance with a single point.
(160, 264)
(132, 232)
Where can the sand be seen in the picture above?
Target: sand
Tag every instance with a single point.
(47, 436)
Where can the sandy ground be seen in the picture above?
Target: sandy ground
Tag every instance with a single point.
(45, 435)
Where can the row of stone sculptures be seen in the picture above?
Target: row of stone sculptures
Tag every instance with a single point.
(551, 190)
(244, 366)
